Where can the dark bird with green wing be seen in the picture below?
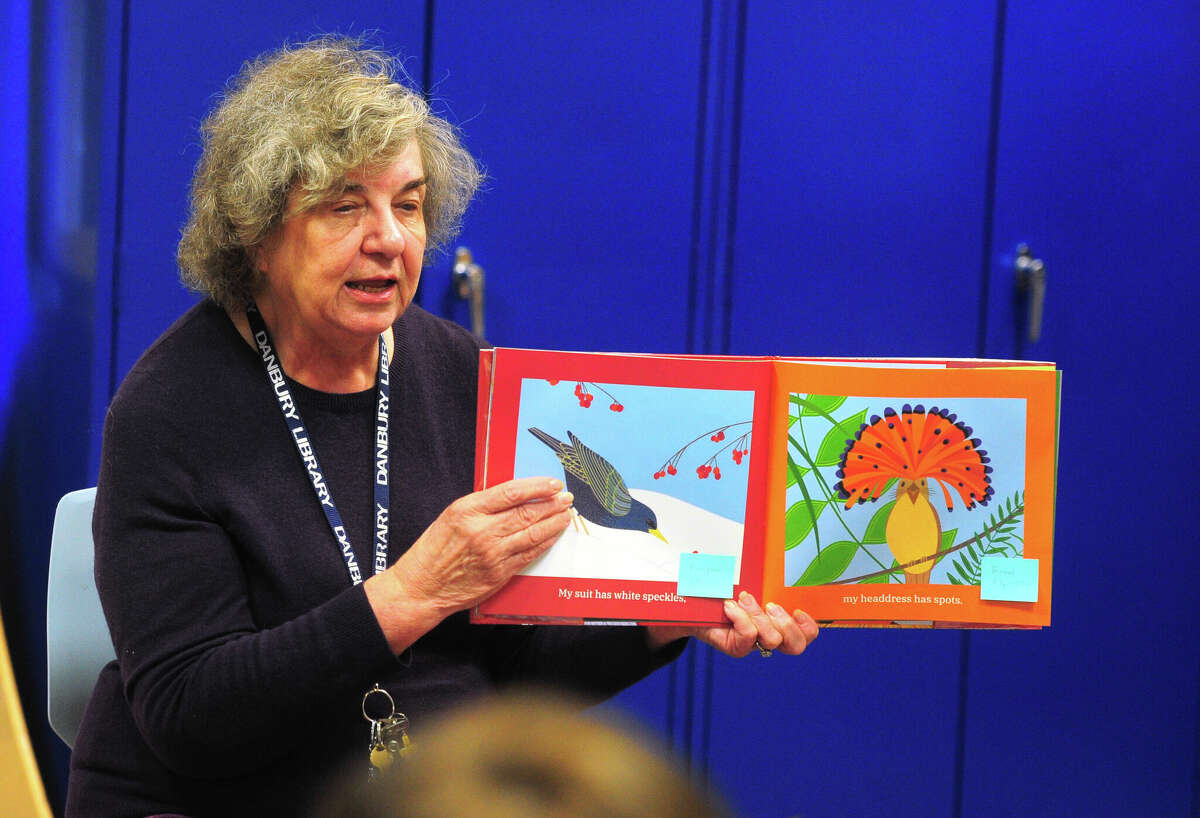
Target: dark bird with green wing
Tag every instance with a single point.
(600, 493)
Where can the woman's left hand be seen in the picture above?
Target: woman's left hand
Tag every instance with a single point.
(749, 627)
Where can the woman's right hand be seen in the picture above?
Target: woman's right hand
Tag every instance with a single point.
(469, 552)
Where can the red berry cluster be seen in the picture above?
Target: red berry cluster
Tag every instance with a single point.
(584, 396)
(740, 447)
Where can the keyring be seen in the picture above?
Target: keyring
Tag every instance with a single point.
(391, 702)
(763, 652)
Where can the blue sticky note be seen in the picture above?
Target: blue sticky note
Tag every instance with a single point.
(707, 575)
(1010, 579)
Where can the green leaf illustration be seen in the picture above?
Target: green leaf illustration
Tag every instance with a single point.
(947, 539)
(793, 470)
(816, 404)
(993, 539)
(800, 520)
(947, 542)
(834, 443)
(830, 564)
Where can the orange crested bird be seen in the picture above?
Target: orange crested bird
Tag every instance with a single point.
(914, 447)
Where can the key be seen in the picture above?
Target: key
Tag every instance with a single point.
(394, 734)
(381, 757)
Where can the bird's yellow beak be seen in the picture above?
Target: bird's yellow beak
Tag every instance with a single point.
(658, 534)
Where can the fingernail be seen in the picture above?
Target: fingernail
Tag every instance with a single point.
(776, 612)
(730, 607)
(556, 485)
(745, 599)
(566, 498)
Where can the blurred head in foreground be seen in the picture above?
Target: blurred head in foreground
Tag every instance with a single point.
(525, 756)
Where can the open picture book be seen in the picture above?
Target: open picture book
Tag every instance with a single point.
(867, 492)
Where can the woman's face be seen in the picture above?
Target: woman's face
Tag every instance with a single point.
(343, 271)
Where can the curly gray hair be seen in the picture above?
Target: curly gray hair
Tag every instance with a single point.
(301, 118)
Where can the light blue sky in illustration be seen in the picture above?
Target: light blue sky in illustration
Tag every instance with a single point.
(999, 423)
(655, 423)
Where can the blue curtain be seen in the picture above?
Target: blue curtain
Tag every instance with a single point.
(50, 105)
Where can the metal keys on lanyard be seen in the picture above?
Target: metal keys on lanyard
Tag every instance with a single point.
(389, 735)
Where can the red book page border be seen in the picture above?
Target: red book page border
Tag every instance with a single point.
(532, 597)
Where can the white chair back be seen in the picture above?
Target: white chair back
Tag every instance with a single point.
(78, 644)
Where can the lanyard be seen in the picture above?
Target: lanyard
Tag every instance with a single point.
(291, 414)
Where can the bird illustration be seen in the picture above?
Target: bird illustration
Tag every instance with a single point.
(914, 447)
(913, 529)
(600, 493)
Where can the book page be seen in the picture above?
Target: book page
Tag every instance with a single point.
(663, 457)
(893, 488)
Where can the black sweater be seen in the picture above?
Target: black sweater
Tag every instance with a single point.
(243, 650)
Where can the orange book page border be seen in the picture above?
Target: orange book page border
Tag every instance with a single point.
(1038, 386)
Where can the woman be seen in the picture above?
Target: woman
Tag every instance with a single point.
(284, 515)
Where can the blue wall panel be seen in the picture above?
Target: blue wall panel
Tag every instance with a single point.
(585, 119)
(179, 59)
(861, 190)
(14, 126)
(860, 197)
(50, 88)
(1097, 171)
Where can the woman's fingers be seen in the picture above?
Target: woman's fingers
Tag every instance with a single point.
(772, 628)
(482, 539)
(768, 634)
(513, 494)
(525, 521)
(530, 542)
(796, 630)
(739, 637)
(516, 507)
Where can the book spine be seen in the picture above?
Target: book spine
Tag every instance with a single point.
(483, 416)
